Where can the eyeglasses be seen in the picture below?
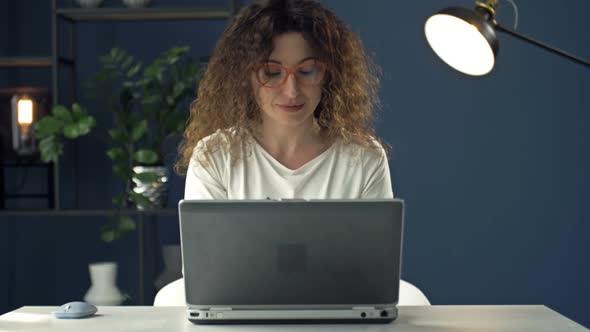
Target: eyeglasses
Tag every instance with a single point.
(273, 75)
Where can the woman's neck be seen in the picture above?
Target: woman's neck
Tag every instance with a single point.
(291, 140)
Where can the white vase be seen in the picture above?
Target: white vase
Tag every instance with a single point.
(103, 288)
(172, 266)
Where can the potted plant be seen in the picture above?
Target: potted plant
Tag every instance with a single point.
(149, 105)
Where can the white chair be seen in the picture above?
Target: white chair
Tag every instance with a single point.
(173, 295)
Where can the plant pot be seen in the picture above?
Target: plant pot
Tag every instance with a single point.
(103, 288)
(156, 191)
(172, 266)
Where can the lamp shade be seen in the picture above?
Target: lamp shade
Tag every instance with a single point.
(464, 39)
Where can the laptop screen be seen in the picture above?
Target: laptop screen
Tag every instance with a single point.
(295, 253)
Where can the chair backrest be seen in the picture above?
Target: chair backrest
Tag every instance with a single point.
(172, 295)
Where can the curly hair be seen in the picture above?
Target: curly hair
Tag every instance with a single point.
(225, 98)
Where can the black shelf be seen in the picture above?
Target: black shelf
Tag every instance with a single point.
(30, 61)
(143, 14)
(87, 213)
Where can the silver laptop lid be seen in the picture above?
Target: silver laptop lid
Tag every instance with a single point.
(338, 253)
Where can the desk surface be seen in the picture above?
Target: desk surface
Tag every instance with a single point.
(412, 319)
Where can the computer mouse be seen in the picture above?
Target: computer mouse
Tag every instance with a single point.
(75, 310)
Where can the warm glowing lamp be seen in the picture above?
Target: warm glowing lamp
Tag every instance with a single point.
(23, 115)
(466, 39)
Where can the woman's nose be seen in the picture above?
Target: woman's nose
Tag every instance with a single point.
(291, 86)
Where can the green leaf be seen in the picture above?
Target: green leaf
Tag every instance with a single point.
(81, 128)
(119, 199)
(125, 225)
(119, 55)
(147, 177)
(62, 113)
(86, 124)
(140, 200)
(107, 235)
(119, 135)
(139, 130)
(127, 62)
(145, 156)
(47, 126)
(50, 148)
(134, 70)
(72, 131)
(153, 99)
(122, 170)
(77, 112)
(118, 154)
(179, 89)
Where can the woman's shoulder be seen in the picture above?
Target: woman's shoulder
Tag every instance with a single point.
(222, 146)
(369, 148)
(220, 139)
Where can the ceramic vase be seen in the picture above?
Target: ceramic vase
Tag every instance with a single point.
(103, 287)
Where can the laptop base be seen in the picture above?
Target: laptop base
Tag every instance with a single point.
(290, 321)
(290, 316)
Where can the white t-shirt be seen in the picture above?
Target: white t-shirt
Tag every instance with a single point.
(343, 171)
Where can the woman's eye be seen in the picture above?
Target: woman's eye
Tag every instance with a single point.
(307, 70)
(272, 72)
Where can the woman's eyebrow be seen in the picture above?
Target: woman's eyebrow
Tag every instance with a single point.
(301, 61)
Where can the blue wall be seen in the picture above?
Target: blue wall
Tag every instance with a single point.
(494, 170)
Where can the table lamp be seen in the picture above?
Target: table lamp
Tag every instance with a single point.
(466, 39)
(23, 115)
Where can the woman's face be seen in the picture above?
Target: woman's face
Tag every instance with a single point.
(292, 103)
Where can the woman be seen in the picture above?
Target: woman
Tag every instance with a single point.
(285, 110)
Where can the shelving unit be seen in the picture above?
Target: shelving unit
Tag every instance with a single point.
(73, 15)
(145, 14)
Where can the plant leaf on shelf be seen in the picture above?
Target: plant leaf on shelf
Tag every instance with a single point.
(47, 126)
(139, 130)
(145, 156)
(61, 113)
(50, 148)
(147, 177)
(140, 200)
(118, 154)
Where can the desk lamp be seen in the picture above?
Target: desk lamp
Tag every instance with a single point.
(466, 39)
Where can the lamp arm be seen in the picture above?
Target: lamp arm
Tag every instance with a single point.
(542, 45)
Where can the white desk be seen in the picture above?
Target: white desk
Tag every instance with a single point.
(412, 319)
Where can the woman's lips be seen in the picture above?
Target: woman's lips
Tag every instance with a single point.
(291, 108)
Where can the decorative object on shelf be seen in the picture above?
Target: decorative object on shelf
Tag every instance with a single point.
(103, 288)
(22, 121)
(466, 39)
(154, 187)
(62, 123)
(136, 3)
(89, 3)
(172, 266)
(27, 107)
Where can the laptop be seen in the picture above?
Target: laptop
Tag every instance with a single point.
(291, 261)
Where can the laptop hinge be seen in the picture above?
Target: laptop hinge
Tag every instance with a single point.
(363, 308)
(220, 309)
